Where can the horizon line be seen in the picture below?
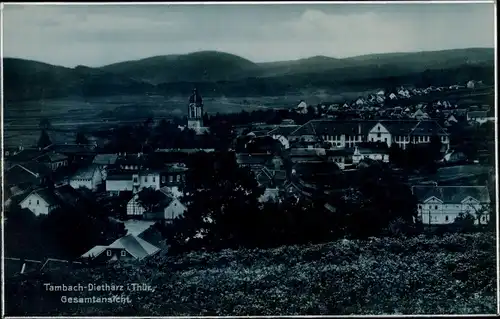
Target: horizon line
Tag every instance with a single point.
(255, 62)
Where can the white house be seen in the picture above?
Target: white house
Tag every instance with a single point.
(379, 133)
(88, 177)
(452, 118)
(103, 161)
(392, 96)
(132, 181)
(302, 107)
(170, 208)
(282, 133)
(442, 204)
(375, 154)
(40, 202)
(471, 84)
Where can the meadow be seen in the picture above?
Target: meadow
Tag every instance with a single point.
(452, 274)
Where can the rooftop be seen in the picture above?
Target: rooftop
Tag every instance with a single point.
(105, 159)
(452, 194)
(85, 173)
(135, 246)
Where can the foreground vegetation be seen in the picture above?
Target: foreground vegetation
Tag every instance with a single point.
(420, 275)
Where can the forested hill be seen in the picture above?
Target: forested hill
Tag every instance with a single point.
(219, 73)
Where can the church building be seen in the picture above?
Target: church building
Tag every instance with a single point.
(195, 113)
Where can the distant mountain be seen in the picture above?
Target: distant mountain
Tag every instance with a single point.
(219, 73)
(207, 66)
(30, 80)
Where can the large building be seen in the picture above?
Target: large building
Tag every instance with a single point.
(348, 134)
(442, 204)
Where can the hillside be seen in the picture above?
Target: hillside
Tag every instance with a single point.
(218, 73)
(31, 80)
(206, 66)
(452, 274)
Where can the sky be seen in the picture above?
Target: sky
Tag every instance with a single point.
(96, 35)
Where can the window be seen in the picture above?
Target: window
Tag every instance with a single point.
(170, 178)
(29, 202)
(108, 253)
(446, 218)
(154, 179)
(145, 179)
(379, 128)
(38, 202)
(123, 253)
(419, 206)
(178, 178)
(385, 139)
(163, 179)
(135, 179)
(378, 134)
(436, 207)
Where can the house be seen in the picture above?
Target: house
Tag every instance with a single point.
(103, 161)
(122, 181)
(87, 177)
(454, 157)
(173, 175)
(471, 84)
(479, 117)
(53, 160)
(22, 157)
(302, 108)
(376, 154)
(452, 119)
(393, 96)
(419, 115)
(27, 174)
(169, 209)
(41, 201)
(442, 204)
(282, 134)
(126, 248)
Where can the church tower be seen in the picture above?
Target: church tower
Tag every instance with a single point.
(195, 111)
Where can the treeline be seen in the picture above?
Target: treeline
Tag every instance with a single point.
(224, 209)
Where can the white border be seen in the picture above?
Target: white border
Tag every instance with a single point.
(2, 5)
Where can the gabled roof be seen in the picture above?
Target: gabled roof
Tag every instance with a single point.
(51, 157)
(427, 128)
(47, 195)
(334, 127)
(284, 130)
(85, 173)
(452, 194)
(135, 246)
(95, 251)
(105, 159)
(25, 155)
(17, 175)
(119, 176)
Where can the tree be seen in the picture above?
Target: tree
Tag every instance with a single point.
(81, 138)
(221, 198)
(44, 140)
(150, 199)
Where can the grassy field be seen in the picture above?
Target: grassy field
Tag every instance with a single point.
(454, 274)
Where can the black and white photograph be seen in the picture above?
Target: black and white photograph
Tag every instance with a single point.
(275, 159)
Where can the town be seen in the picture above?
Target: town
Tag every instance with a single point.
(136, 186)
